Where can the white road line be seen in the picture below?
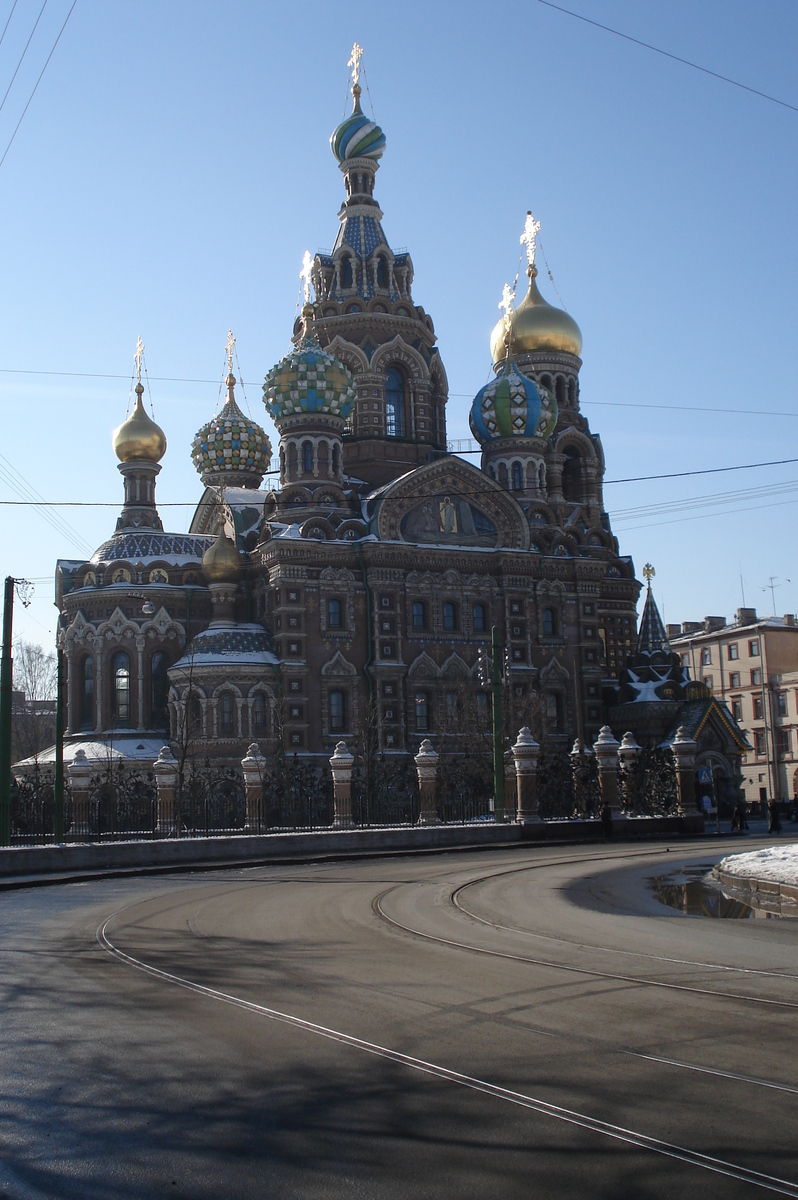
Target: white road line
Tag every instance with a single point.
(567, 967)
(618, 1133)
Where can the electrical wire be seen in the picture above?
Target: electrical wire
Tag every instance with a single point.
(36, 85)
(33, 499)
(8, 22)
(22, 55)
(667, 54)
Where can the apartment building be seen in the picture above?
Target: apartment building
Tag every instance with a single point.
(752, 664)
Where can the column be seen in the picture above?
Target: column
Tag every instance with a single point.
(79, 775)
(427, 766)
(526, 753)
(341, 764)
(629, 754)
(72, 703)
(606, 751)
(165, 769)
(580, 769)
(684, 750)
(98, 685)
(253, 766)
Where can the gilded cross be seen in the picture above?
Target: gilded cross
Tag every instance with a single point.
(531, 230)
(354, 62)
(305, 274)
(138, 358)
(506, 303)
(229, 351)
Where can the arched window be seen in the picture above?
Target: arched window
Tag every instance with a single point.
(307, 458)
(334, 614)
(572, 477)
(517, 479)
(419, 614)
(86, 699)
(347, 280)
(226, 710)
(195, 716)
(503, 474)
(120, 688)
(549, 622)
(422, 713)
(394, 403)
(258, 713)
(449, 616)
(337, 712)
(382, 272)
(335, 459)
(159, 691)
(554, 712)
(480, 618)
(546, 381)
(572, 392)
(559, 390)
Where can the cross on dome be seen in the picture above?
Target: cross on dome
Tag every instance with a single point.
(305, 275)
(506, 304)
(531, 230)
(229, 351)
(354, 63)
(138, 358)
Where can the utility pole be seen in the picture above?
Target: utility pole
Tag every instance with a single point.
(6, 699)
(58, 782)
(490, 675)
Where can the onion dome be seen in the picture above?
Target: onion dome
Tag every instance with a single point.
(512, 405)
(221, 562)
(231, 448)
(357, 136)
(536, 325)
(139, 438)
(309, 380)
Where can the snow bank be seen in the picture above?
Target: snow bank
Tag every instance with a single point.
(777, 864)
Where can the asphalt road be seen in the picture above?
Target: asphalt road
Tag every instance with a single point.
(515, 1023)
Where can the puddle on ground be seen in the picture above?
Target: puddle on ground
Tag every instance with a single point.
(693, 890)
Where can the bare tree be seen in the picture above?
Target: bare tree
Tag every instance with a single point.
(35, 676)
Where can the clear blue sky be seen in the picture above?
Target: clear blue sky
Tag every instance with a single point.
(174, 165)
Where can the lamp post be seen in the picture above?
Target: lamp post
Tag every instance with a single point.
(6, 699)
(490, 674)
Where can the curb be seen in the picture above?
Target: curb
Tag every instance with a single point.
(766, 887)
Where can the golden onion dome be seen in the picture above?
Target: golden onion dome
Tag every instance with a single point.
(536, 325)
(221, 562)
(139, 437)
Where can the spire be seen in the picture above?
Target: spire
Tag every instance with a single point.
(652, 635)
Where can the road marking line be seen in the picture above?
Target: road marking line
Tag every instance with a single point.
(618, 1133)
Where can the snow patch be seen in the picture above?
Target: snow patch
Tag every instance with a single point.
(777, 864)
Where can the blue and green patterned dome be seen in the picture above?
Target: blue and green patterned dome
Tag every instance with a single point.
(231, 448)
(357, 136)
(309, 380)
(512, 406)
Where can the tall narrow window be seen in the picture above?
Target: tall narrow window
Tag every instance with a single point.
(120, 691)
(382, 272)
(337, 712)
(449, 616)
(422, 712)
(159, 691)
(334, 620)
(517, 481)
(394, 403)
(226, 714)
(419, 614)
(87, 693)
(554, 712)
(549, 622)
(258, 713)
(480, 620)
(347, 280)
(307, 458)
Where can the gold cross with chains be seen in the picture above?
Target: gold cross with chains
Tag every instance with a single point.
(354, 62)
(531, 230)
(305, 274)
(138, 358)
(229, 351)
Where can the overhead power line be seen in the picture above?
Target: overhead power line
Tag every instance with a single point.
(8, 22)
(22, 55)
(686, 62)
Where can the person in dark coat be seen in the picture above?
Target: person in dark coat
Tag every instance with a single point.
(774, 823)
(605, 813)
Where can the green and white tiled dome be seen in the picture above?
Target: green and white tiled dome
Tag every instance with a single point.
(231, 448)
(308, 381)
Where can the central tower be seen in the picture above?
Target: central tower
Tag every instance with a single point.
(365, 315)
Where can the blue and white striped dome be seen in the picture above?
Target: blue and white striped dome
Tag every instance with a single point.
(512, 406)
(357, 137)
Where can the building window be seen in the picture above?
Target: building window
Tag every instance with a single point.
(423, 715)
(159, 691)
(737, 708)
(347, 280)
(419, 614)
(783, 740)
(706, 656)
(734, 679)
(753, 648)
(337, 712)
(756, 678)
(707, 681)
(757, 708)
(120, 690)
(554, 711)
(451, 707)
(307, 458)
(394, 403)
(517, 480)
(195, 716)
(480, 618)
(449, 616)
(759, 741)
(86, 702)
(226, 714)
(549, 622)
(781, 702)
(334, 614)
(685, 660)
(731, 650)
(258, 713)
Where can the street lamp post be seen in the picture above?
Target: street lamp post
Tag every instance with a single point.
(6, 699)
(490, 674)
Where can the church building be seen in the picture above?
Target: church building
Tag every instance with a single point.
(357, 589)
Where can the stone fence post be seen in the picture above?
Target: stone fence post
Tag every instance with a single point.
(427, 766)
(526, 753)
(79, 773)
(165, 769)
(253, 765)
(684, 751)
(341, 764)
(580, 769)
(605, 749)
(629, 754)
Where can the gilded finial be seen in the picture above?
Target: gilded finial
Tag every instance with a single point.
(138, 359)
(648, 574)
(506, 305)
(229, 351)
(354, 63)
(305, 275)
(531, 230)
